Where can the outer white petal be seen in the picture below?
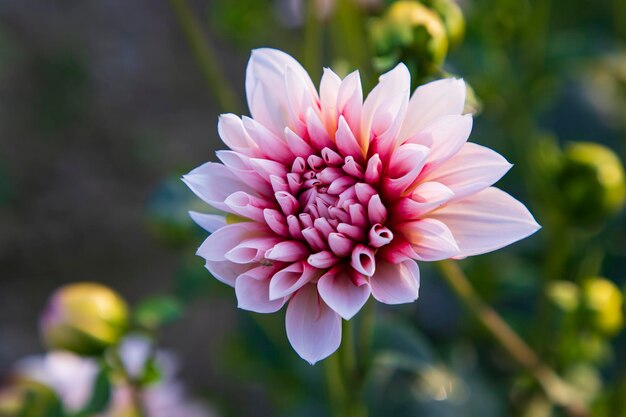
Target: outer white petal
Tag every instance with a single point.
(445, 137)
(313, 328)
(254, 295)
(396, 283)
(486, 221)
(340, 293)
(430, 239)
(226, 271)
(385, 107)
(213, 183)
(231, 130)
(209, 222)
(268, 99)
(215, 247)
(472, 169)
(431, 101)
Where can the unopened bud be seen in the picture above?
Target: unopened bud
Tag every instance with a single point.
(453, 20)
(603, 299)
(84, 318)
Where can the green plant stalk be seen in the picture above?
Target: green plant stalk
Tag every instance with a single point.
(313, 36)
(205, 56)
(556, 390)
(135, 389)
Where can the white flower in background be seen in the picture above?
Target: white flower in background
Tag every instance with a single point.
(69, 375)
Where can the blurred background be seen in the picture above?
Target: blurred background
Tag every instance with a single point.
(103, 106)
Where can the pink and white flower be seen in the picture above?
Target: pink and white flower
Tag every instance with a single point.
(341, 195)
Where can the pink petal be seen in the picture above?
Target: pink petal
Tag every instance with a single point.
(267, 168)
(287, 202)
(231, 130)
(288, 251)
(322, 260)
(215, 246)
(399, 250)
(427, 197)
(313, 328)
(363, 260)
(266, 88)
(346, 142)
(240, 165)
(431, 239)
(253, 292)
(350, 101)
(432, 101)
(297, 145)
(209, 222)
(486, 221)
(276, 221)
(291, 278)
(251, 250)
(317, 131)
(213, 183)
(271, 144)
(445, 137)
(329, 90)
(373, 169)
(472, 169)
(337, 290)
(379, 236)
(248, 206)
(396, 283)
(340, 244)
(404, 168)
(376, 211)
(385, 106)
(226, 271)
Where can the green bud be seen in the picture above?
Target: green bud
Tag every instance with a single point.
(603, 300)
(409, 32)
(564, 294)
(591, 183)
(453, 20)
(84, 318)
(26, 398)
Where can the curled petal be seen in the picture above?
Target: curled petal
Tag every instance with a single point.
(376, 211)
(379, 236)
(290, 279)
(341, 294)
(373, 169)
(340, 244)
(322, 260)
(313, 328)
(396, 283)
(486, 221)
(248, 206)
(215, 246)
(363, 260)
(287, 251)
(251, 250)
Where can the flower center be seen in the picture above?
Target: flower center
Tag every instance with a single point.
(331, 203)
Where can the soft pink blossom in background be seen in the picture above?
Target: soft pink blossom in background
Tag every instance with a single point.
(340, 196)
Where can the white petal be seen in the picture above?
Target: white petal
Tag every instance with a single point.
(209, 222)
(268, 99)
(486, 221)
(396, 283)
(226, 271)
(254, 295)
(430, 239)
(213, 183)
(472, 169)
(431, 101)
(313, 328)
(339, 292)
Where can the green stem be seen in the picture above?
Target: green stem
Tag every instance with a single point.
(205, 56)
(135, 389)
(312, 40)
(554, 387)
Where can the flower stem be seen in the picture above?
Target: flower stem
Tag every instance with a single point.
(135, 389)
(554, 387)
(205, 56)
(345, 378)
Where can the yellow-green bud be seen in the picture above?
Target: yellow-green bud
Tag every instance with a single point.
(564, 294)
(84, 318)
(453, 20)
(604, 301)
(410, 32)
(28, 398)
(591, 182)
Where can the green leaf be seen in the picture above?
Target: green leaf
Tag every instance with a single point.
(155, 312)
(100, 395)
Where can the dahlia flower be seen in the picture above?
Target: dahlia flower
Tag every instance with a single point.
(333, 198)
